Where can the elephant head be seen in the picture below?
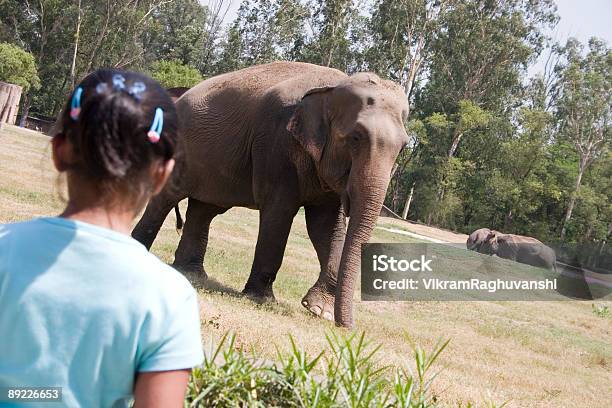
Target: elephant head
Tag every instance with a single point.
(354, 132)
(478, 238)
(490, 245)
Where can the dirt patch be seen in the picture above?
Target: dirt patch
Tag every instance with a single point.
(425, 230)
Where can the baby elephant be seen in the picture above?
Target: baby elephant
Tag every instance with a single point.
(517, 248)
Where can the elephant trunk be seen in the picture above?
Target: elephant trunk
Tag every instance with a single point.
(366, 193)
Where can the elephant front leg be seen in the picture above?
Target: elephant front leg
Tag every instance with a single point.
(189, 255)
(274, 227)
(158, 208)
(327, 229)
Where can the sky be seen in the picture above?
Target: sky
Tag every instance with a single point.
(584, 19)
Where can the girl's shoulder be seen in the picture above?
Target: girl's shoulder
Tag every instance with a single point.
(116, 258)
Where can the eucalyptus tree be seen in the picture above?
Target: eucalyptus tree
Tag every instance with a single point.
(44, 29)
(477, 61)
(263, 31)
(585, 109)
(177, 32)
(70, 38)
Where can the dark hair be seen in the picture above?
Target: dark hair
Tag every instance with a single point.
(109, 132)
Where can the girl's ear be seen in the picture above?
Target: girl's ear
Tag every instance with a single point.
(62, 152)
(161, 174)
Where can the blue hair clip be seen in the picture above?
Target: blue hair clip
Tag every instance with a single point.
(119, 81)
(75, 105)
(101, 87)
(136, 89)
(157, 127)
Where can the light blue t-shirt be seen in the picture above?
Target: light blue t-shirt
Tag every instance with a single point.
(85, 308)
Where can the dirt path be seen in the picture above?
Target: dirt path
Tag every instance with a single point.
(422, 231)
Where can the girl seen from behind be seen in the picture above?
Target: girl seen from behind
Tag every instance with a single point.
(83, 306)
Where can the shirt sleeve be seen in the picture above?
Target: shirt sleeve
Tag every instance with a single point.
(177, 345)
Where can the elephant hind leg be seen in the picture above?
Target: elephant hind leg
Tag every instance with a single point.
(275, 221)
(326, 227)
(158, 208)
(189, 255)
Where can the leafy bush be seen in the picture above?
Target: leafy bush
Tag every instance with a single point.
(18, 67)
(173, 74)
(346, 375)
(601, 311)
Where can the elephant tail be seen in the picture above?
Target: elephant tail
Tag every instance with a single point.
(179, 220)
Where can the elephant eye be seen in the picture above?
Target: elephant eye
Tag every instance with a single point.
(357, 136)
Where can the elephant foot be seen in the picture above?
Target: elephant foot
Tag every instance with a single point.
(259, 294)
(194, 268)
(320, 302)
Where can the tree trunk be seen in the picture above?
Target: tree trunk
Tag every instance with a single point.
(10, 95)
(27, 103)
(408, 202)
(508, 220)
(605, 240)
(455, 143)
(572, 201)
(77, 35)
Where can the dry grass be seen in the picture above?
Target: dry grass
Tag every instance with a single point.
(536, 354)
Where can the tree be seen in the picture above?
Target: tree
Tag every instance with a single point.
(290, 22)
(178, 32)
(482, 50)
(70, 38)
(477, 59)
(44, 29)
(173, 74)
(401, 31)
(337, 36)
(231, 51)
(585, 108)
(216, 12)
(18, 67)
(264, 31)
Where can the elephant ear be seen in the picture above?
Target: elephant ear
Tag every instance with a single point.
(309, 123)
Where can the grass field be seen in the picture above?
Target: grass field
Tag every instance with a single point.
(534, 354)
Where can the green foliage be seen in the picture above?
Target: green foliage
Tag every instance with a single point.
(338, 34)
(602, 311)
(264, 31)
(489, 146)
(347, 374)
(172, 74)
(18, 67)
(472, 116)
(585, 109)
(178, 32)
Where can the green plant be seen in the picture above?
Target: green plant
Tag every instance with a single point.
(487, 403)
(18, 67)
(172, 74)
(347, 374)
(601, 310)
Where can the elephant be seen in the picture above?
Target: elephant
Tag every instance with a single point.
(478, 238)
(521, 249)
(177, 92)
(277, 137)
